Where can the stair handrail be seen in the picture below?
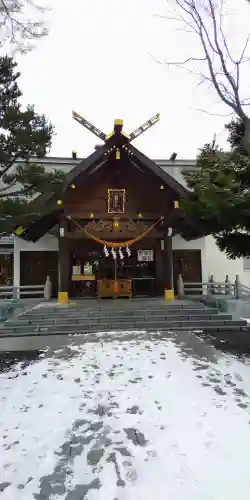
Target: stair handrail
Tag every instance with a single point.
(209, 287)
(212, 287)
(16, 292)
(245, 290)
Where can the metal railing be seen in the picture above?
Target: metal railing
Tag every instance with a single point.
(16, 292)
(218, 288)
(244, 291)
(212, 287)
(19, 292)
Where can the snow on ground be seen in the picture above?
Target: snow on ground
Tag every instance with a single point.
(131, 420)
(246, 319)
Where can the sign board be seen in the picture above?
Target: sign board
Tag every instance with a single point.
(88, 271)
(145, 255)
(76, 270)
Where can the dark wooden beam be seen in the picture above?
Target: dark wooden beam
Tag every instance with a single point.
(159, 267)
(168, 263)
(64, 256)
(112, 237)
(167, 268)
(85, 216)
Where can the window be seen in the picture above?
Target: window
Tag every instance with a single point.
(246, 263)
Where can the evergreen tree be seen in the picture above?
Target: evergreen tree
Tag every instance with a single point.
(236, 129)
(24, 135)
(220, 198)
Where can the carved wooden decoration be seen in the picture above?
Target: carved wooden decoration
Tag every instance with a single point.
(116, 228)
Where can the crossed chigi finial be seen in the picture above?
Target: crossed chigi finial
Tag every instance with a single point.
(117, 124)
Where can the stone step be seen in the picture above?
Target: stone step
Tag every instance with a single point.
(43, 311)
(22, 320)
(117, 306)
(242, 333)
(144, 325)
(82, 314)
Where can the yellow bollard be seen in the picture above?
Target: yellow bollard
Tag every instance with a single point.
(168, 295)
(63, 297)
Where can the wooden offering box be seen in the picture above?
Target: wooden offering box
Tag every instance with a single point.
(110, 288)
(83, 277)
(83, 285)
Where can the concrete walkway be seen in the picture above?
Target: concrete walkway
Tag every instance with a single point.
(127, 418)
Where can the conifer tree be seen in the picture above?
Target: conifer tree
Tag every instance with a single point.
(24, 136)
(220, 193)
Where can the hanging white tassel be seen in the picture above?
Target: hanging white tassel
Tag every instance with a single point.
(128, 251)
(106, 252)
(121, 254)
(113, 252)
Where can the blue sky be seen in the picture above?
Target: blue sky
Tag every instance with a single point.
(100, 59)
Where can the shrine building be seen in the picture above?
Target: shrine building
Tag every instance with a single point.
(116, 230)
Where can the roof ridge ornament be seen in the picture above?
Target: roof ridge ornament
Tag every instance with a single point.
(140, 130)
(118, 124)
(88, 126)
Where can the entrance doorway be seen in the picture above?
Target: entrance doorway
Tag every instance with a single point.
(142, 274)
(36, 266)
(188, 264)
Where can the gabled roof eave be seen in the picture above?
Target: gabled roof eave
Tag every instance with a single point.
(166, 178)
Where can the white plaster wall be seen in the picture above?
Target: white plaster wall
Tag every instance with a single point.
(217, 263)
(47, 243)
(245, 277)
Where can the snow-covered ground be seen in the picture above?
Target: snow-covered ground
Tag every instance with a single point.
(246, 319)
(127, 419)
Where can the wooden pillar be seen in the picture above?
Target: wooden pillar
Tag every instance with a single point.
(168, 279)
(168, 263)
(159, 288)
(64, 262)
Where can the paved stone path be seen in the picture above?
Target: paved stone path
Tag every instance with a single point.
(127, 418)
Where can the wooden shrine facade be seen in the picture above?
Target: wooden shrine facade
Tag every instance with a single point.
(115, 221)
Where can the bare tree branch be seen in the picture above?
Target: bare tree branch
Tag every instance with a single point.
(228, 53)
(18, 28)
(221, 55)
(205, 19)
(212, 114)
(244, 49)
(181, 63)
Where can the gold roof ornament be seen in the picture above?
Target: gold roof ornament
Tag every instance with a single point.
(19, 230)
(118, 122)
